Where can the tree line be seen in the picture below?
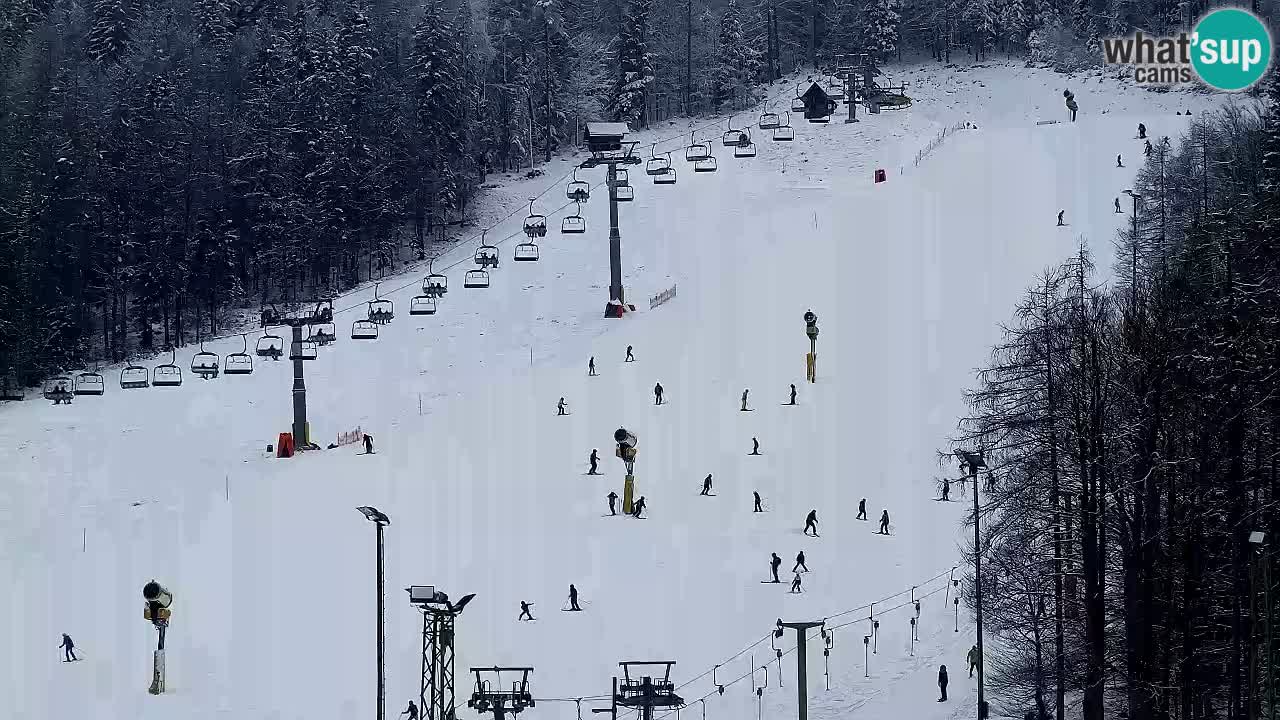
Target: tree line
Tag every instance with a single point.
(1132, 434)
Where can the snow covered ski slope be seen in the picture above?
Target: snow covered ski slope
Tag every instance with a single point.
(273, 568)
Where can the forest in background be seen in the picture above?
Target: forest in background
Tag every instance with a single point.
(1132, 438)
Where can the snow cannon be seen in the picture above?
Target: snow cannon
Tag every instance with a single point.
(811, 359)
(158, 601)
(627, 452)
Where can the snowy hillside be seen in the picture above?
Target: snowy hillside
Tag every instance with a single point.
(486, 488)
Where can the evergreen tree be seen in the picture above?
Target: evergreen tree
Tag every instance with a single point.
(737, 63)
(879, 28)
(635, 69)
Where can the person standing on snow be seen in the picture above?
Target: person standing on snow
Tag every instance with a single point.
(795, 584)
(573, 598)
(591, 366)
(1118, 210)
(1118, 163)
(744, 399)
(793, 394)
(638, 507)
(368, 444)
(524, 611)
(942, 683)
(630, 357)
(657, 394)
(756, 493)
(946, 489)
(595, 460)
(884, 523)
(560, 407)
(975, 659)
(862, 509)
(1060, 214)
(1147, 149)
(800, 563)
(775, 562)
(811, 521)
(1142, 131)
(612, 497)
(1070, 99)
(69, 648)
(706, 485)
(755, 446)
(411, 711)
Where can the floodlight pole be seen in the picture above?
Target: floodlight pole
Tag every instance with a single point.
(380, 520)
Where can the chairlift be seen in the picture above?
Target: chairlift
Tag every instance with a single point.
(797, 103)
(323, 334)
(307, 349)
(745, 151)
(323, 313)
(59, 389)
(535, 226)
(486, 255)
(624, 193)
(707, 164)
(205, 363)
(167, 374)
(621, 178)
(90, 383)
(476, 279)
(768, 120)
(364, 330)
(574, 224)
(734, 138)
(696, 151)
(240, 363)
(381, 311)
(269, 316)
(133, 377)
(434, 284)
(11, 388)
(270, 346)
(666, 178)
(657, 165)
(526, 252)
(784, 132)
(422, 305)
(835, 89)
(578, 190)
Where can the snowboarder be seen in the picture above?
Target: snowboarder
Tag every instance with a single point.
(1118, 163)
(706, 485)
(638, 507)
(612, 497)
(884, 523)
(368, 444)
(1147, 149)
(744, 399)
(630, 357)
(1118, 211)
(657, 394)
(411, 711)
(69, 648)
(974, 658)
(591, 367)
(1142, 131)
(811, 521)
(946, 489)
(755, 446)
(793, 394)
(795, 584)
(594, 460)
(756, 494)
(775, 562)
(1060, 214)
(560, 406)
(862, 509)
(524, 610)
(800, 563)
(942, 683)
(1071, 103)
(573, 598)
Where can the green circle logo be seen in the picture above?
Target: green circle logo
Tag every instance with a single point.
(1231, 49)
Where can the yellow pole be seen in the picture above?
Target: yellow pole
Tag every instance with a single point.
(628, 490)
(811, 366)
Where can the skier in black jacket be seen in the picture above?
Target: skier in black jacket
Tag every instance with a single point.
(811, 521)
(884, 523)
(774, 563)
(862, 509)
(612, 496)
(800, 566)
(657, 394)
(757, 496)
(942, 683)
(595, 459)
(706, 485)
(524, 610)
(69, 648)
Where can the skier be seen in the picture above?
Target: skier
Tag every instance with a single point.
(862, 509)
(800, 563)
(974, 658)
(612, 497)
(795, 584)
(755, 446)
(744, 399)
(811, 521)
(630, 357)
(573, 598)
(1060, 214)
(942, 683)
(638, 507)
(524, 611)
(1147, 149)
(756, 494)
(1118, 163)
(411, 711)
(1142, 131)
(884, 523)
(793, 394)
(946, 489)
(706, 485)
(560, 407)
(591, 366)
(69, 648)
(368, 444)
(1071, 103)
(1118, 206)
(594, 460)
(657, 394)
(991, 482)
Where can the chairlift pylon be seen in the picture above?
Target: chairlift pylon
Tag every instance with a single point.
(578, 190)
(240, 363)
(90, 383)
(364, 330)
(574, 224)
(535, 226)
(134, 377)
(205, 364)
(696, 151)
(167, 374)
(270, 346)
(381, 311)
(305, 349)
(657, 165)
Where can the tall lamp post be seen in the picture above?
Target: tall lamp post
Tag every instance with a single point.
(1133, 261)
(1261, 575)
(380, 520)
(974, 461)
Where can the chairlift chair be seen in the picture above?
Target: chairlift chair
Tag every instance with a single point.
(707, 164)
(745, 151)
(768, 120)
(323, 334)
(476, 279)
(90, 383)
(269, 316)
(422, 305)
(666, 178)
(574, 224)
(696, 151)
(624, 193)
(656, 165)
(784, 132)
(270, 346)
(734, 137)
(621, 178)
(167, 374)
(578, 190)
(59, 389)
(133, 377)
(323, 312)
(797, 103)
(434, 284)
(240, 363)
(307, 349)
(526, 252)
(205, 363)
(364, 330)
(381, 311)
(486, 255)
(535, 226)
(10, 388)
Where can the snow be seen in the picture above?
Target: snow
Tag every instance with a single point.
(273, 569)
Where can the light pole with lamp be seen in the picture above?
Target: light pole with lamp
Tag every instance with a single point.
(975, 461)
(1133, 262)
(1258, 543)
(379, 519)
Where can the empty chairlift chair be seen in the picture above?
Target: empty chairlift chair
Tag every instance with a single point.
(656, 165)
(707, 164)
(578, 190)
(323, 334)
(90, 383)
(784, 132)
(270, 346)
(205, 364)
(239, 363)
(735, 137)
(574, 224)
(668, 177)
(768, 120)
(134, 377)
(797, 103)
(696, 151)
(381, 311)
(167, 374)
(422, 305)
(308, 350)
(364, 330)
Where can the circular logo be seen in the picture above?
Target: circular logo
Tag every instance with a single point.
(1231, 49)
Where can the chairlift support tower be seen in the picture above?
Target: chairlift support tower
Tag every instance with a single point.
(644, 692)
(609, 146)
(300, 428)
(802, 662)
(493, 697)
(436, 691)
